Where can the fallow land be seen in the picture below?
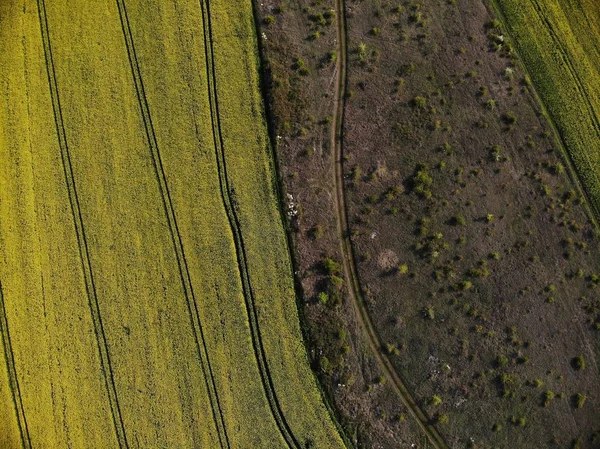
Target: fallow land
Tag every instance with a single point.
(446, 250)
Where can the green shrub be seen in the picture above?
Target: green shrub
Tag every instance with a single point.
(428, 313)
(501, 360)
(578, 363)
(323, 297)
(330, 266)
(579, 400)
(419, 101)
(403, 268)
(336, 282)
(548, 397)
(443, 419)
(510, 118)
(391, 349)
(458, 220)
(421, 181)
(316, 232)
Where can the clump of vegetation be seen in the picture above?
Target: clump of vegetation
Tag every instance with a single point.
(458, 220)
(301, 67)
(419, 101)
(330, 266)
(421, 181)
(578, 363)
(443, 419)
(510, 118)
(435, 400)
(519, 421)
(316, 232)
(579, 400)
(548, 397)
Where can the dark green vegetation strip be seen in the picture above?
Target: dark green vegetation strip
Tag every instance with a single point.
(228, 198)
(80, 231)
(174, 230)
(349, 261)
(12, 375)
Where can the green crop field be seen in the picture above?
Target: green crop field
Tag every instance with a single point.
(559, 42)
(146, 290)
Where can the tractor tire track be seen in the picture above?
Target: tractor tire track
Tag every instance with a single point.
(12, 375)
(349, 263)
(229, 202)
(174, 230)
(90, 287)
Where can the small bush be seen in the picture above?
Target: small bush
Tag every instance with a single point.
(548, 398)
(579, 400)
(391, 349)
(501, 360)
(458, 220)
(403, 268)
(578, 363)
(421, 181)
(510, 118)
(330, 266)
(323, 297)
(419, 101)
(428, 313)
(316, 232)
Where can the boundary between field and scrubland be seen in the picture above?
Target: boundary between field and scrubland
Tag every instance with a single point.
(228, 199)
(174, 231)
(279, 192)
(12, 375)
(347, 252)
(90, 287)
(593, 209)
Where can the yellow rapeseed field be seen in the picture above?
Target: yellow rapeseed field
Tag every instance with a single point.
(146, 291)
(559, 42)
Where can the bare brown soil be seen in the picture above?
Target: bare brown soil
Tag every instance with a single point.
(475, 251)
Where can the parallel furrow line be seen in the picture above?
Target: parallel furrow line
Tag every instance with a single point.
(349, 261)
(80, 231)
(228, 198)
(12, 375)
(174, 230)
